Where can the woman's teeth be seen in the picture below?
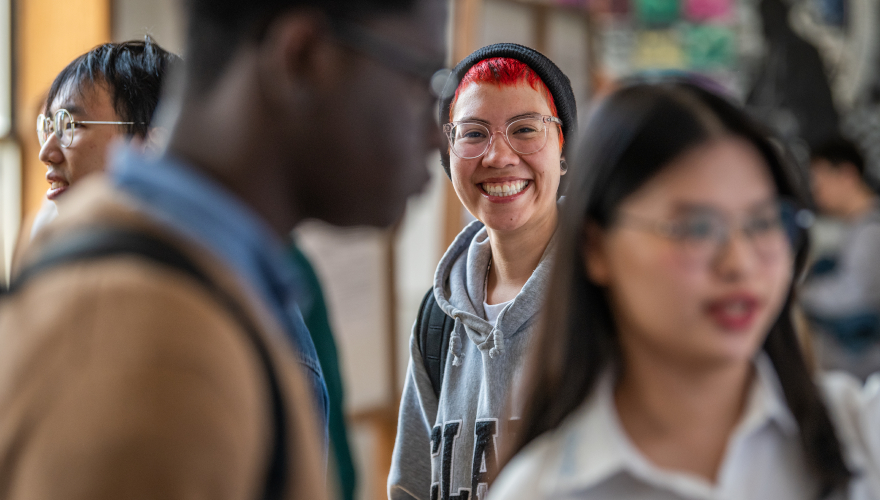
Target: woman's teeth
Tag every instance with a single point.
(56, 185)
(505, 188)
(737, 309)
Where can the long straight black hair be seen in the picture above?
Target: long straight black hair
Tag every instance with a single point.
(633, 135)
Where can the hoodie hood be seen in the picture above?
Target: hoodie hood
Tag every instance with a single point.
(459, 289)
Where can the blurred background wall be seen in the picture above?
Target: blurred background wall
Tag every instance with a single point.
(10, 164)
(375, 279)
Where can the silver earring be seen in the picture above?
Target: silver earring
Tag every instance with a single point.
(563, 167)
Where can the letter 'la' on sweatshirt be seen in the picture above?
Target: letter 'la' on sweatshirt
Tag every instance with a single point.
(445, 448)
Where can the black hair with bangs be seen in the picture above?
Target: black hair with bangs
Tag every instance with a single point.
(633, 135)
(132, 72)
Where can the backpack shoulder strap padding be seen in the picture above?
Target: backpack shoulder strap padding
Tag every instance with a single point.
(104, 242)
(433, 328)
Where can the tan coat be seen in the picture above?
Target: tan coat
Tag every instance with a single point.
(120, 378)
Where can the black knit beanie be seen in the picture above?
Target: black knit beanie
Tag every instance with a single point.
(551, 75)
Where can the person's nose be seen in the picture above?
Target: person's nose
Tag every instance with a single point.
(737, 256)
(50, 151)
(499, 154)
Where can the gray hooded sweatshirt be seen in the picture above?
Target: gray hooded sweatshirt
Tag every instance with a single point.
(445, 449)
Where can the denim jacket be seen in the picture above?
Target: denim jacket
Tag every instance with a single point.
(203, 211)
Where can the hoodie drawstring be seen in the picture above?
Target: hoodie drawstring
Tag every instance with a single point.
(498, 340)
(455, 347)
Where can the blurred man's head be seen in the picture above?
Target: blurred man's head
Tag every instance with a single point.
(325, 103)
(117, 84)
(838, 171)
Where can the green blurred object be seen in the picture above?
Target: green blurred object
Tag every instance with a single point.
(314, 310)
(709, 47)
(658, 12)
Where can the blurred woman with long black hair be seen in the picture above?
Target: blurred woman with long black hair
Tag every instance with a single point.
(668, 365)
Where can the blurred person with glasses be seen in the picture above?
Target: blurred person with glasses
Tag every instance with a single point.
(112, 91)
(841, 293)
(152, 344)
(506, 111)
(702, 231)
(668, 363)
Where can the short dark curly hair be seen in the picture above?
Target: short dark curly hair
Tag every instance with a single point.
(216, 28)
(133, 72)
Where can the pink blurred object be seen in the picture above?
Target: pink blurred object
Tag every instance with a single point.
(700, 10)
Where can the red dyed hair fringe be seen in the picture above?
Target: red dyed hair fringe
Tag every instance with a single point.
(504, 71)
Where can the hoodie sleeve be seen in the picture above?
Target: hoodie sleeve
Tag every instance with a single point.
(410, 476)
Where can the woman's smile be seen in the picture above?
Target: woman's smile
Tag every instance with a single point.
(734, 312)
(504, 191)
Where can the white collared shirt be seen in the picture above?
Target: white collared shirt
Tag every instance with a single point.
(590, 456)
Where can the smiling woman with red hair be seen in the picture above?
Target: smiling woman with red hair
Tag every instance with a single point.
(505, 112)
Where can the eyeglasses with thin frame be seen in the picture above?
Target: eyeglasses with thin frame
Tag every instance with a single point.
(469, 140)
(63, 126)
(774, 230)
(429, 69)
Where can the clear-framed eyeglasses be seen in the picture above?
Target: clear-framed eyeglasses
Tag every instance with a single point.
(64, 126)
(469, 140)
(774, 230)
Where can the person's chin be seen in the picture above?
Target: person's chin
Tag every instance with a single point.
(54, 193)
(379, 217)
(502, 222)
(739, 348)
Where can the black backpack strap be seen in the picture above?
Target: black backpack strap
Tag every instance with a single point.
(434, 328)
(104, 242)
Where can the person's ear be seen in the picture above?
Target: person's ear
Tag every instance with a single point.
(595, 255)
(155, 140)
(293, 56)
(851, 173)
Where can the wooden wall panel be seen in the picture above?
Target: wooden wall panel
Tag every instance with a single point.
(49, 34)
(465, 35)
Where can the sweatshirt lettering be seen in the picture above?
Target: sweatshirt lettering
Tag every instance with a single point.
(485, 433)
(485, 457)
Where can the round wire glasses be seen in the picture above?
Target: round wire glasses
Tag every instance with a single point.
(772, 230)
(64, 126)
(469, 140)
